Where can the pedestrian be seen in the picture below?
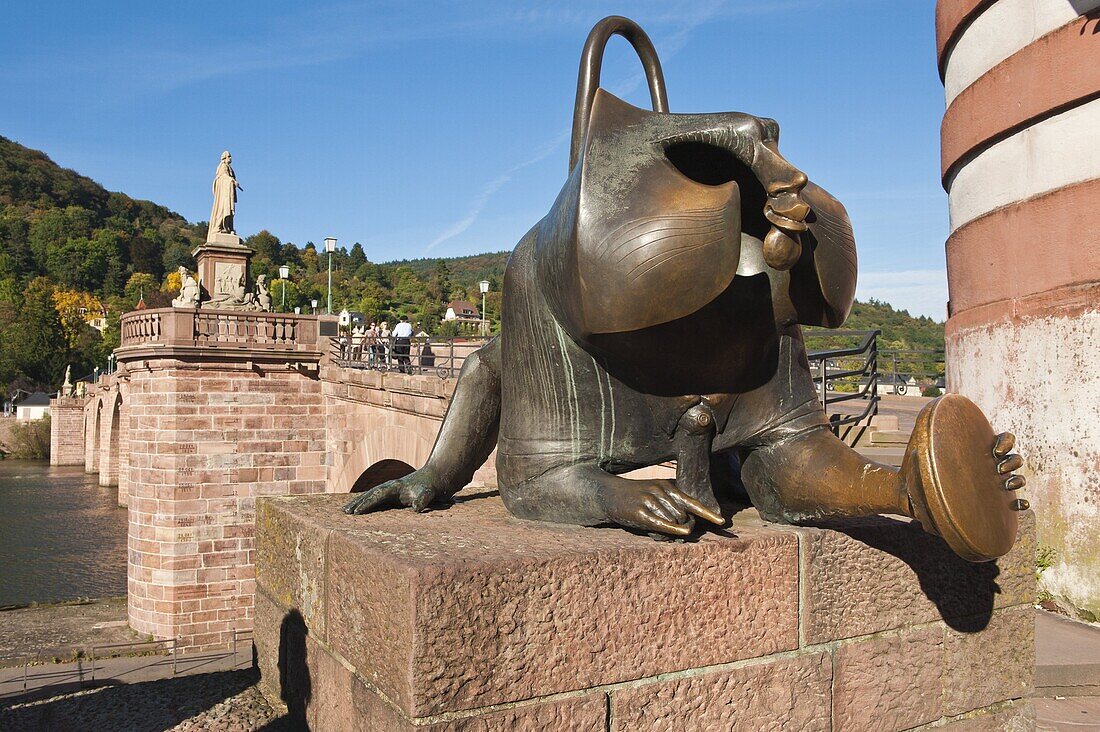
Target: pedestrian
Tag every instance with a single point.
(402, 334)
(384, 342)
(372, 343)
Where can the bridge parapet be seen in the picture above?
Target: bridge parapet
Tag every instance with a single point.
(189, 328)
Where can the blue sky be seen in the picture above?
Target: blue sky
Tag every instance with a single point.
(440, 129)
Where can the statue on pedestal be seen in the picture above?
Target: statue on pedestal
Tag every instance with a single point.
(225, 189)
(654, 314)
(189, 291)
(262, 298)
(67, 386)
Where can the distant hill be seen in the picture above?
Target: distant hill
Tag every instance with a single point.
(468, 269)
(70, 249)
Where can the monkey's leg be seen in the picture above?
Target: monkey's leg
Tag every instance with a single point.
(956, 479)
(815, 475)
(467, 437)
(585, 494)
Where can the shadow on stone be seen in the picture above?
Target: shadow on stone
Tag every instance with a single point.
(295, 686)
(963, 592)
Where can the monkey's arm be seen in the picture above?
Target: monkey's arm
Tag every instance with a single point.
(467, 437)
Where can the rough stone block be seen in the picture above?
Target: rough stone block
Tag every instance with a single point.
(912, 578)
(469, 607)
(889, 682)
(783, 694)
(996, 664)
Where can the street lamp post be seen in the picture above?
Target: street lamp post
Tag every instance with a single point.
(484, 286)
(284, 272)
(330, 247)
(314, 304)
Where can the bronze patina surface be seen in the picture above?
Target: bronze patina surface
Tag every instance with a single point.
(654, 314)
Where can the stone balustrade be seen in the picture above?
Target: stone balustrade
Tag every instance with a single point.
(196, 328)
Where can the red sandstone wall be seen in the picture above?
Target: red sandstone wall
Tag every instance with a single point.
(204, 443)
(373, 417)
(1021, 165)
(67, 431)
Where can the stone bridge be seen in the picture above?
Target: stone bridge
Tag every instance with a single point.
(208, 410)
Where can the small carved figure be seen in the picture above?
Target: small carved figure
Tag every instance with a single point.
(225, 189)
(189, 291)
(654, 314)
(262, 297)
(67, 386)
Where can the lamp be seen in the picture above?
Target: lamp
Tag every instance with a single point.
(314, 304)
(484, 286)
(330, 247)
(284, 272)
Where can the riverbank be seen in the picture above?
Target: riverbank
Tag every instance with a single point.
(56, 631)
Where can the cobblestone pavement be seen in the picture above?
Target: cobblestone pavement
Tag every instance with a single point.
(227, 700)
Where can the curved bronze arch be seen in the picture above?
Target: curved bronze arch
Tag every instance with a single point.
(588, 78)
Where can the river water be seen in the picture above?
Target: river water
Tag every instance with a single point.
(62, 536)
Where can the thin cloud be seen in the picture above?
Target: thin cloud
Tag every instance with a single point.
(483, 196)
(920, 291)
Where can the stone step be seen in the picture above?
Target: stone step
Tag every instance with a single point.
(883, 438)
(1067, 656)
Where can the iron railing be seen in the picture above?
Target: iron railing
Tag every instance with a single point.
(41, 670)
(847, 374)
(442, 357)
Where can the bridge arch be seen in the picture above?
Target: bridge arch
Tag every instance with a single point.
(383, 453)
(110, 421)
(92, 426)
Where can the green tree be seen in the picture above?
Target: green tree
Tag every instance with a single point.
(139, 285)
(356, 257)
(146, 256)
(35, 340)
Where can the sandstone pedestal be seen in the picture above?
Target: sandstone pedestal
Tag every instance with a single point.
(468, 618)
(222, 266)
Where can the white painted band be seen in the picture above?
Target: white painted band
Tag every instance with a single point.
(1053, 153)
(1001, 30)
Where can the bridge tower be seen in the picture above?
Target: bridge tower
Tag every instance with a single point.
(1021, 165)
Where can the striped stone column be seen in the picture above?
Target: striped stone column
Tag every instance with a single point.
(1021, 165)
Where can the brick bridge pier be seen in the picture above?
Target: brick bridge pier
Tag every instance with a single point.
(209, 410)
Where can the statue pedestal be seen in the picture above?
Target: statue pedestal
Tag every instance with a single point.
(469, 618)
(221, 263)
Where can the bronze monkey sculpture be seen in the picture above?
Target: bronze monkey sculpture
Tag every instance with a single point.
(654, 314)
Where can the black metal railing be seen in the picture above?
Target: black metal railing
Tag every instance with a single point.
(442, 357)
(847, 374)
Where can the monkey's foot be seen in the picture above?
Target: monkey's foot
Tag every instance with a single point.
(958, 477)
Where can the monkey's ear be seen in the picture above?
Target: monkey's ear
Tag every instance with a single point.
(823, 290)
